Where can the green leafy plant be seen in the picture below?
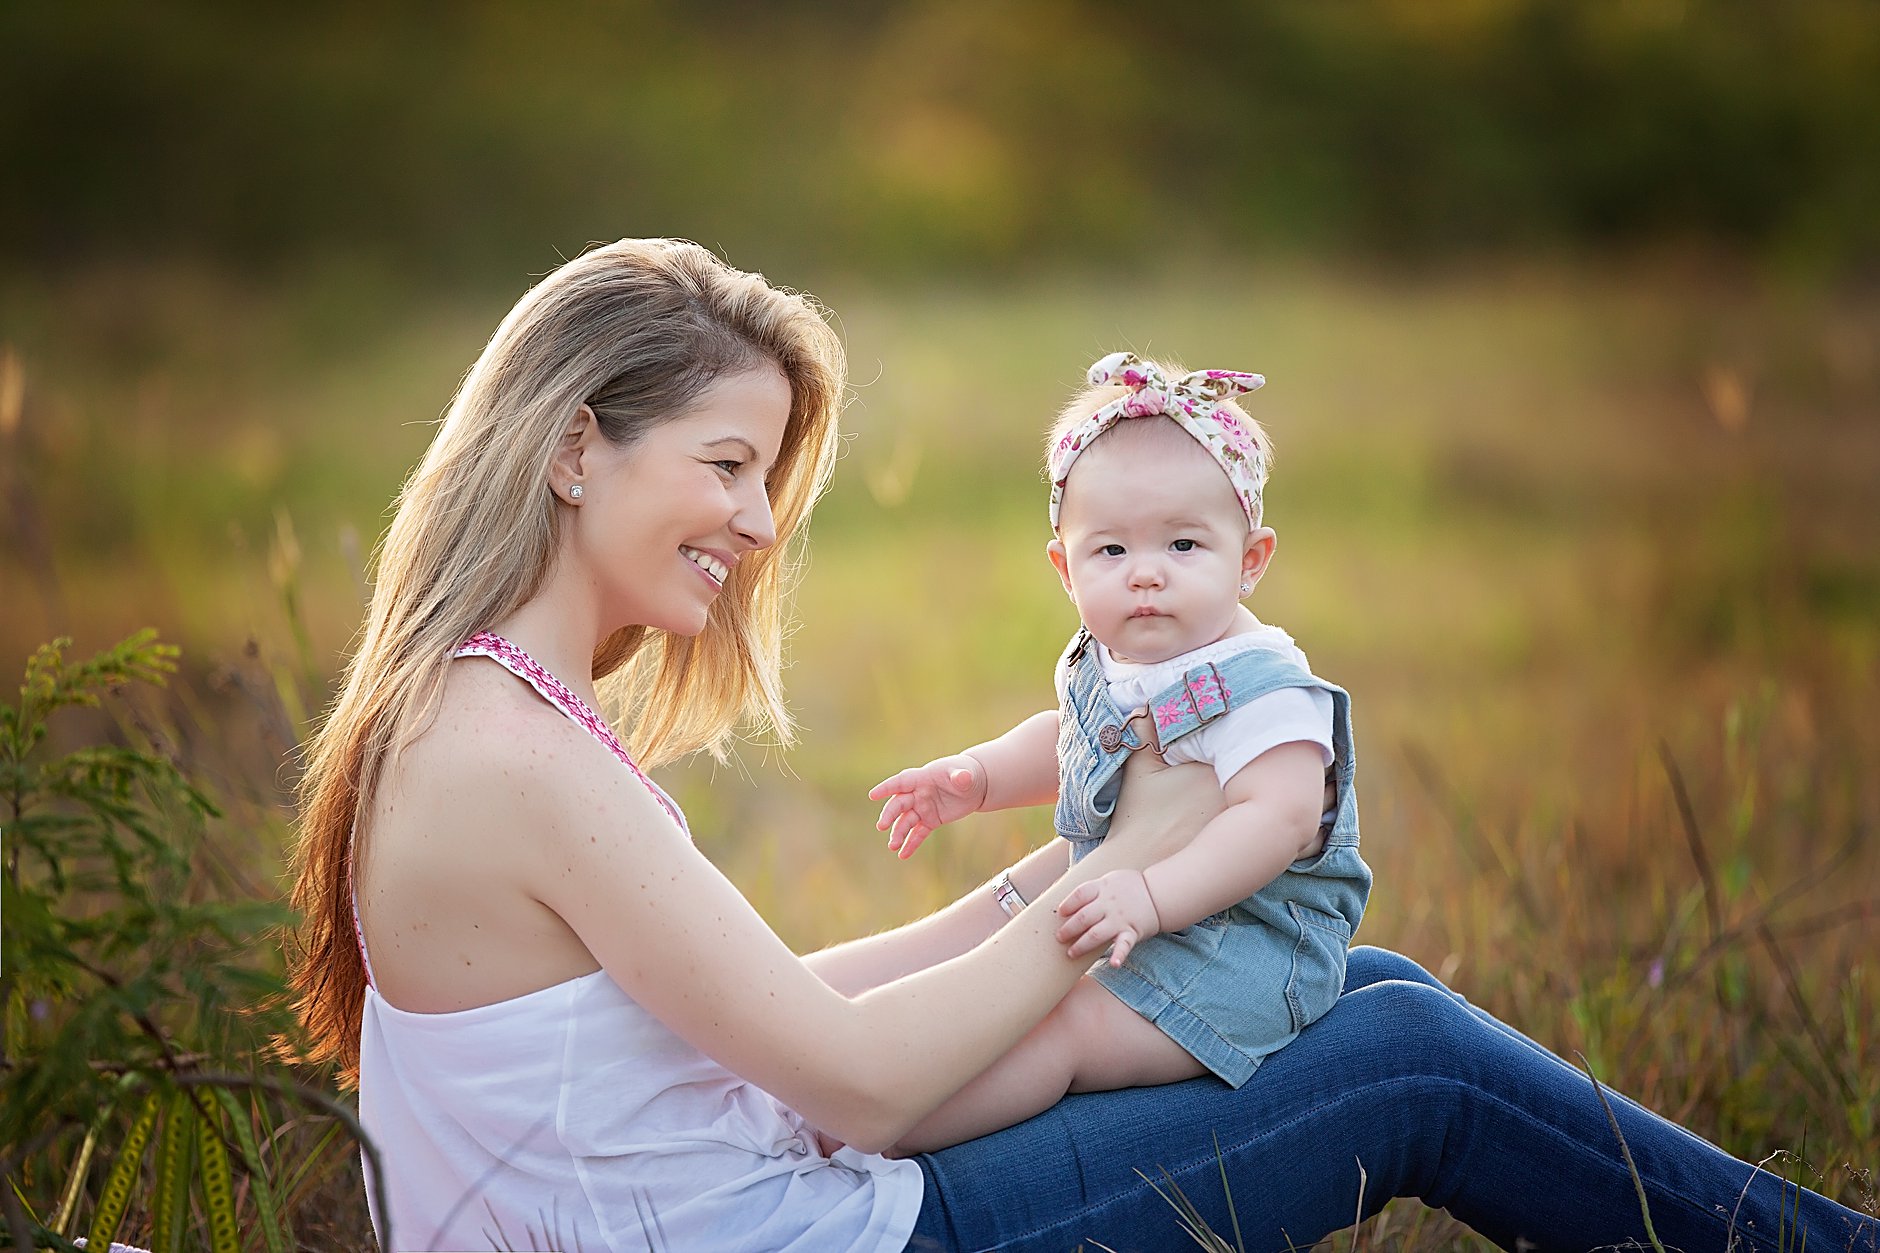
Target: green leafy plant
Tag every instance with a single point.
(128, 988)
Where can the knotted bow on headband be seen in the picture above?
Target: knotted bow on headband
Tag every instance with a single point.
(1193, 401)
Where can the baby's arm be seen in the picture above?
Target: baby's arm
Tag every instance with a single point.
(1018, 768)
(1274, 806)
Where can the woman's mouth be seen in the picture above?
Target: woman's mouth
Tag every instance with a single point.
(714, 569)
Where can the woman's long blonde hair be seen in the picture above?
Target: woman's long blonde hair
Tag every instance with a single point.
(637, 330)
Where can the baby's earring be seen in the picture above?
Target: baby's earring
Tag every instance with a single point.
(1246, 589)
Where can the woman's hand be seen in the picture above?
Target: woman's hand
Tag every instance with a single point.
(1162, 807)
(1114, 910)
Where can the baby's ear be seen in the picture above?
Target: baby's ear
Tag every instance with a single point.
(1257, 554)
(1059, 562)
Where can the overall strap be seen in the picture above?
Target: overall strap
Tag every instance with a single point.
(1211, 689)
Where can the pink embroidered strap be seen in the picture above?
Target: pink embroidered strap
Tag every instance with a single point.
(555, 692)
(1200, 697)
(359, 932)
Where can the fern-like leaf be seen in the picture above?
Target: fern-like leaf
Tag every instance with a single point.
(117, 1184)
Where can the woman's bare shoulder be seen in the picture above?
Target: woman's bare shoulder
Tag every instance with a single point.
(470, 833)
(492, 732)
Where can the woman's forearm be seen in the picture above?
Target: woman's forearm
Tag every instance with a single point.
(1021, 769)
(855, 966)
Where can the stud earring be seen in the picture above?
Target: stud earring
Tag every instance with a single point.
(574, 493)
(1246, 589)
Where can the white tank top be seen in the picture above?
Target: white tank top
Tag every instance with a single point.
(571, 1118)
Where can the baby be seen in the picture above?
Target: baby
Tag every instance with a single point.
(1222, 952)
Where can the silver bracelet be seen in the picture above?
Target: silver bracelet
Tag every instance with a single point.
(1006, 893)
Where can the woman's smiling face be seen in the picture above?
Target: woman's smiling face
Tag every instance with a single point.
(663, 524)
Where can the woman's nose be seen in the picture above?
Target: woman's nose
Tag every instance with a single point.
(754, 523)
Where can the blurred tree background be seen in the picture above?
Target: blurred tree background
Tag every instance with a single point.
(448, 141)
(1571, 317)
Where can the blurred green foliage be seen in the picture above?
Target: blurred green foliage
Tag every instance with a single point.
(452, 140)
(107, 950)
(134, 974)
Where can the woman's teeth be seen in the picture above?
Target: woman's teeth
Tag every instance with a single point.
(706, 562)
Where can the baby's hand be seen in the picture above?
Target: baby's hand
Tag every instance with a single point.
(924, 797)
(1115, 909)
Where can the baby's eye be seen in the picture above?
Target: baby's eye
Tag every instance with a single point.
(1111, 550)
(1183, 545)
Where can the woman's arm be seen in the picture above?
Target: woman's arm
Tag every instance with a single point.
(679, 939)
(856, 965)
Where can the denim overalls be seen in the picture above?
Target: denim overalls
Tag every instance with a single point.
(1240, 984)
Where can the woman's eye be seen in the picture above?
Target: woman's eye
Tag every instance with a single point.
(1111, 550)
(1183, 545)
(729, 467)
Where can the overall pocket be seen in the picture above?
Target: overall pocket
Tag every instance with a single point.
(1318, 964)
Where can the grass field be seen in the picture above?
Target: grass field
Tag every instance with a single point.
(1574, 543)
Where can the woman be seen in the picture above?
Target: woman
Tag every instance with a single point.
(570, 1031)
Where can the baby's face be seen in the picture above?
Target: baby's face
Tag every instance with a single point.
(1151, 546)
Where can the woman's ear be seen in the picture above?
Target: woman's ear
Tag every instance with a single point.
(1255, 556)
(1059, 562)
(568, 467)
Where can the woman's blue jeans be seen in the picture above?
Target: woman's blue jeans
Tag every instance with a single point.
(1434, 1098)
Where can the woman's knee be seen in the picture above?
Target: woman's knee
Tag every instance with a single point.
(1408, 1026)
(1366, 965)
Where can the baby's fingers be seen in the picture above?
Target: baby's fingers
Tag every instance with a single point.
(891, 812)
(1080, 926)
(1119, 951)
(919, 833)
(1073, 928)
(1099, 937)
(1080, 896)
(892, 785)
(905, 824)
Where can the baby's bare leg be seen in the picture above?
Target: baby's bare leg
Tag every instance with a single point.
(1091, 1042)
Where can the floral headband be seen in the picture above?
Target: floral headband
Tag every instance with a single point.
(1193, 401)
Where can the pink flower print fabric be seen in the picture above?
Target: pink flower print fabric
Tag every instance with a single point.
(1204, 696)
(1193, 401)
